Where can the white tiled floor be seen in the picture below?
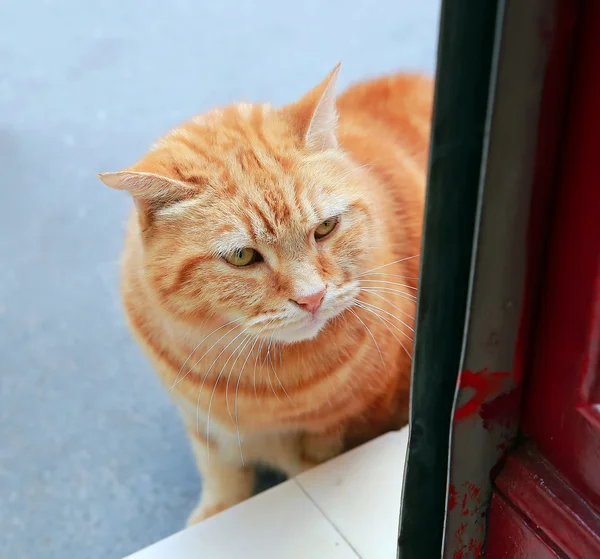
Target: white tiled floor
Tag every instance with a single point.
(346, 508)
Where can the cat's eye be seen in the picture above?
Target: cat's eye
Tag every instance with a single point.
(326, 228)
(244, 257)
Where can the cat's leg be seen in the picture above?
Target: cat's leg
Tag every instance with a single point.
(223, 484)
(294, 453)
(320, 446)
(282, 451)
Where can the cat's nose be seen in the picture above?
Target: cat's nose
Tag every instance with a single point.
(311, 303)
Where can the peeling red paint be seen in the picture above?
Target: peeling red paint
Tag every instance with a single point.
(472, 550)
(465, 510)
(460, 552)
(460, 532)
(473, 490)
(452, 494)
(469, 496)
(476, 547)
(502, 410)
(485, 384)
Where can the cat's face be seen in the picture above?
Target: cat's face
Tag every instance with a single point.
(251, 215)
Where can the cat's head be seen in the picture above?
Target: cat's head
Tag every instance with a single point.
(256, 215)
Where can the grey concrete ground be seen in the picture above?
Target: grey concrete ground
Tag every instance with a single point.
(93, 462)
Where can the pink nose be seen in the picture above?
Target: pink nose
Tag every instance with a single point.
(311, 303)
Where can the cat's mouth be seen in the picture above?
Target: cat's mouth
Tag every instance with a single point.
(305, 330)
(310, 326)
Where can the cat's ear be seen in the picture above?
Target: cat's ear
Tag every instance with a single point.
(150, 191)
(315, 115)
(145, 186)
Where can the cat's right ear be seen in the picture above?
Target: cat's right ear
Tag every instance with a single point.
(146, 186)
(150, 191)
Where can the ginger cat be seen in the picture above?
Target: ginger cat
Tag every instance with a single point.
(270, 274)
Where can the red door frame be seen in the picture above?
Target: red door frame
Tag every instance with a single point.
(559, 414)
(546, 502)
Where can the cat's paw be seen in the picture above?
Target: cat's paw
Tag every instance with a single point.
(202, 512)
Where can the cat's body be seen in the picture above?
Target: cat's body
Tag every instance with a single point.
(274, 362)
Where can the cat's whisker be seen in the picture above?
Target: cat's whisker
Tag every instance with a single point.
(377, 292)
(237, 424)
(389, 283)
(387, 312)
(390, 264)
(264, 360)
(391, 275)
(237, 388)
(254, 323)
(206, 376)
(379, 289)
(260, 348)
(212, 395)
(247, 341)
(385, 323)
(194, 351)
(280, 383)
(370, 334)
(376, 310)
(399, 294)
(267, 360)
(281, 355)
(176, 382)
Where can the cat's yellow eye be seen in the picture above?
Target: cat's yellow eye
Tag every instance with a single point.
(244, 257)
(325, 228)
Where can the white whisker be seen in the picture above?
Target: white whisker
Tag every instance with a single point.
(377, 289)
(388, 313)
(176, 382)
(399, 294)
(212, 395)
(237, 387)
(267, 360)
(377, 292)
(370, 334)
(246, 342)
(279, 381)
(260, 348)
(391, 275)
(389, 283)
(385, 323)
(206, 376)
(390, 264)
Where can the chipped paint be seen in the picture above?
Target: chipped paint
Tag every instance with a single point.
(502, 411)
(452, 494)
(485, 384)
(469, 496)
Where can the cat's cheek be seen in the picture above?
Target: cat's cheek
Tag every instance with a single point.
(325, 265)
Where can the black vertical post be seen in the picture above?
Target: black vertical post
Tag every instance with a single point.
(466, 43)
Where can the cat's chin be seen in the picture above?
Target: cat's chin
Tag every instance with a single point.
(303, 332)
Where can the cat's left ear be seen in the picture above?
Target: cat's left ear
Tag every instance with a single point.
(315, 115)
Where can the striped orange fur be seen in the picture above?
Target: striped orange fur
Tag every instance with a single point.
(306, 351)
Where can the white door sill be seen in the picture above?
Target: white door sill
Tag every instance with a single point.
(346, 508)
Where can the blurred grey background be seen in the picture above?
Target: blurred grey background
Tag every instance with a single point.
(93, 461)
